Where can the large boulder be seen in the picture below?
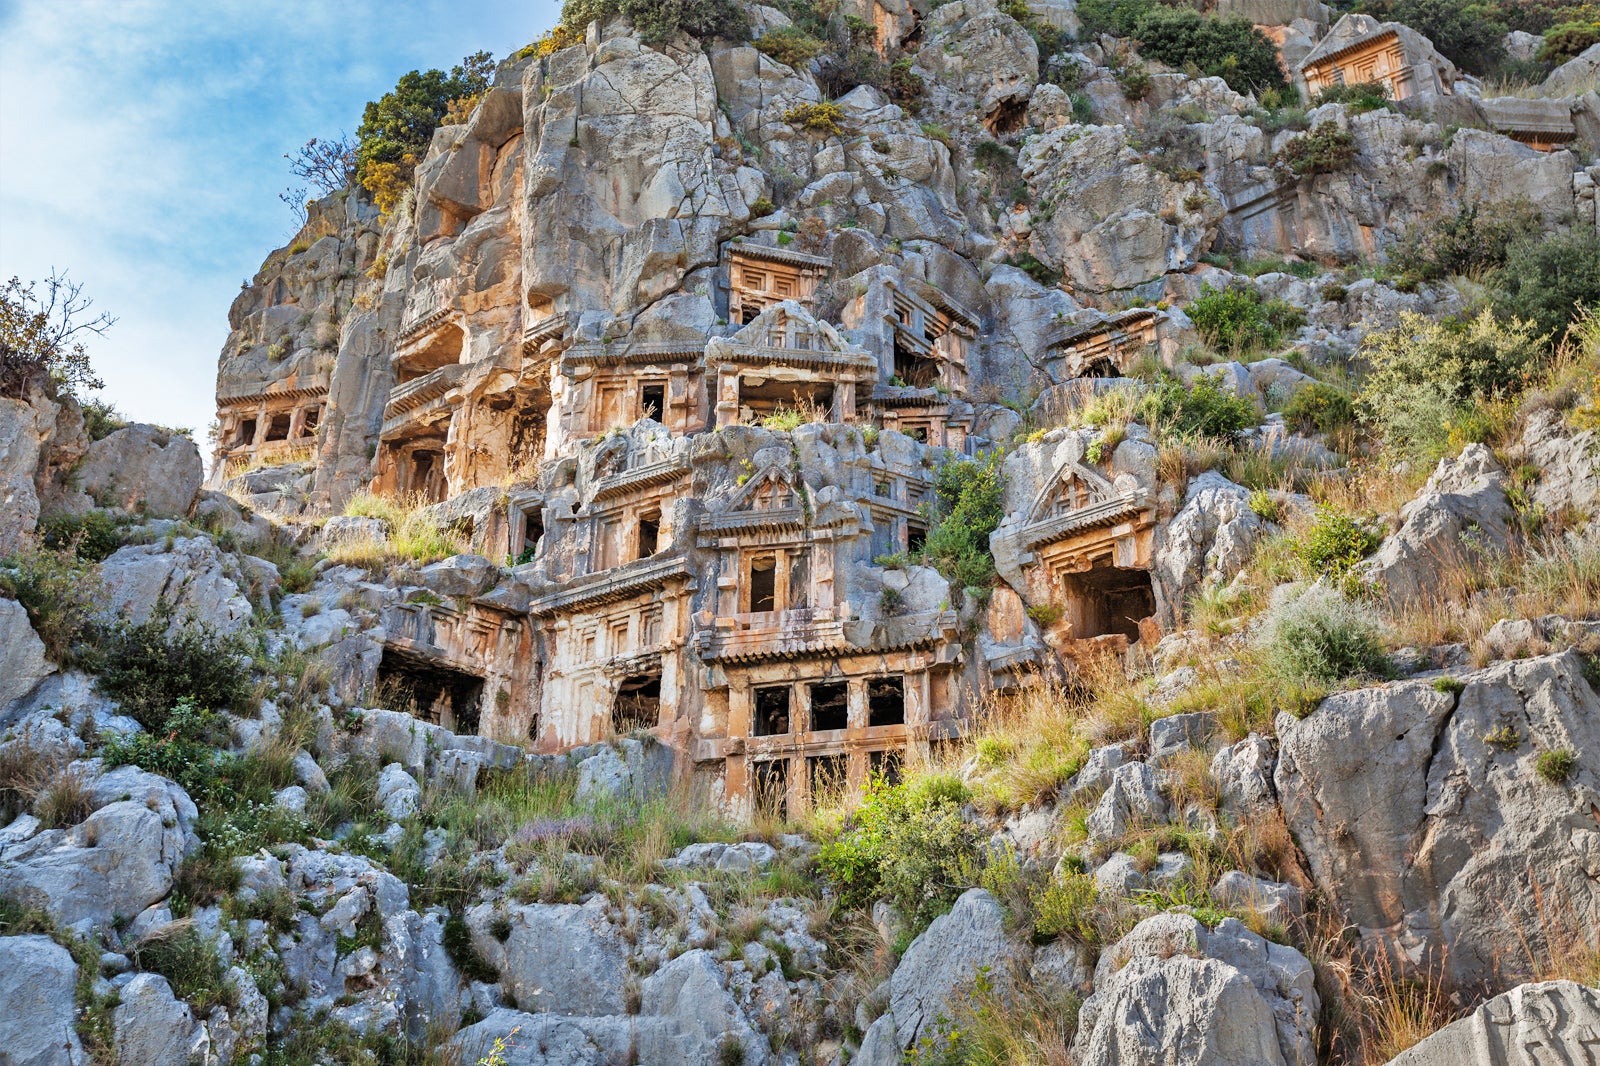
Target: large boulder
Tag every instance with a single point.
(1551, 1021)
(1174, 992)
(939, 967)
(1426, 819)
(1207, 542)
(557, 958)
(153, 1027)
(627, 769)
(690, 991)
(36, 1003)
(145, 470)
(116, 863)
(191, 575)
(22, 660)
(1460, 516)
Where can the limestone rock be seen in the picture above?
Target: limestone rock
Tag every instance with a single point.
(398, 792)
(193, 576)
(1174, 991)
(152, 1026)
(36, 1003)
(1460, 515)
(690, 990)
(1209, 540)
(1426, 835)
(1559, 1018)
(1132, 799)
(560, 958)
(22, 660)
(629, 768)
(944, 959)
(145, 470)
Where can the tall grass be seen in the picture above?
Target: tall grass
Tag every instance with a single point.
(412, 535)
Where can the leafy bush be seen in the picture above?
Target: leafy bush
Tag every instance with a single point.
(1064, 906)
(1319, 408)
(1567, 40)
(1320, 636)
(790, 45)
(91, 536)
(149, 667)
(970, 507)
(658, 21)
(100, 419)
(396, 128)
(1335, 542)
(908, 843)
(1321, 151)
(190, 964)
(1238, 319)
(824, 118)
(1360, 97)
(1425, 375)
(1206, 409)
(1228, 48)
(61, 594)
(1476, 237)
(1547, 279)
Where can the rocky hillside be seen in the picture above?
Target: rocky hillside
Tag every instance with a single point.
(881, 531)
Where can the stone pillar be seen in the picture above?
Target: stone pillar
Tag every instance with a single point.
(727, 396)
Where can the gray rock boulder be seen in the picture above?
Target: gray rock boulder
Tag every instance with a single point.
(144, 470)
(154, 1028)
(1132, 799)
(1460, 515)
(941, 963)
(690, 991)
(1243, 772)
(626, 769)
(558, 958)
(1425, 819)
(1276, 902)
(192, 575)
(1561, 1019)
(398, 792)
(22, 660)
(1173, 991)
(1209, 541)
(36, 1003)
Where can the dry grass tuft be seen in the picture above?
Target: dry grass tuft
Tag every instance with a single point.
(413, 535)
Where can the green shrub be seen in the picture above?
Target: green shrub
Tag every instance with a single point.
(908, 843)
(823, 118)
(100, 419)
(1064, 906)
(1228, 48)
(91, 536)
(1475, 237)
(969, 497)
(1567, 40)
(149, 667)
(396, 128)
(1335, 542)
(1266, 506)
(1360, 97)
(1320, 636)
(657, 21)
(1558, 765)
(1320, 151)
(62, 595)
(1546, 279)
(1207, 409)
(1237, 319)
(1424, 374)
(790, 45)
(1319, 408)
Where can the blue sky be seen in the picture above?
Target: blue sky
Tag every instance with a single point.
(142, 143)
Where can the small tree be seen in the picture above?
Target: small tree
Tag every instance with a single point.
(396, 128)
(43, 327)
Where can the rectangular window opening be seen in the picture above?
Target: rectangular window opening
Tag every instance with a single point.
(886, 701)
(830, 706)
(247, 431)
(532, 530)
(278, 427)
(638, 704)
(771, 787)
(649, 534)
(884, 765)
(653, 401)
(829, 778)
(763, 584)
(916, 537)
(771, 711)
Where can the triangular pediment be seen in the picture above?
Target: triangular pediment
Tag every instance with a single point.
(769, 489)
(789, 325)
(1072, 487)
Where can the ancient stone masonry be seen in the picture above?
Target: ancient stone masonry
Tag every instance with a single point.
(684, 370)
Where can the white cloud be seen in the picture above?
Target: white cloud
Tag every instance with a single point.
(141, 146)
